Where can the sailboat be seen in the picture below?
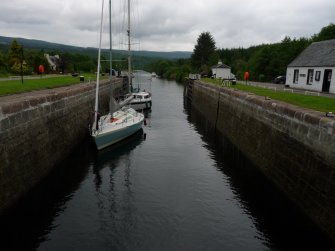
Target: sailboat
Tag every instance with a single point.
(121, 121)
(142, 100)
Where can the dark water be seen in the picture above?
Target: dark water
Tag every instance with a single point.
(183, 187)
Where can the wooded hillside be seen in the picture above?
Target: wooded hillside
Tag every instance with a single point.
(73, 59)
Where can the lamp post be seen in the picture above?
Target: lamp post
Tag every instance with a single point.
(21, 50)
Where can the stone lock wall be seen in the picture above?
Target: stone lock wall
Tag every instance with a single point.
(39, 129)
(293, 147)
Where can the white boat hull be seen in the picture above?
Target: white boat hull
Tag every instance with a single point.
(110, 132)
(146, 105)
(106, 139)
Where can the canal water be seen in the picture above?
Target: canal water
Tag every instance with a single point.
(176, 185)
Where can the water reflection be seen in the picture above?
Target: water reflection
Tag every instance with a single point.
(32, 219)
(110, 158)
(112, 170)
(281, 224)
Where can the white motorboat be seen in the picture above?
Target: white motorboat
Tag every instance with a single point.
(141, 101)
(119, 123)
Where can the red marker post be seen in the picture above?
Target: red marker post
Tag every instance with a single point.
(41, 70)
(246, 77)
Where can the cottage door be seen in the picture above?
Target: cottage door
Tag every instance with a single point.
(326, 80)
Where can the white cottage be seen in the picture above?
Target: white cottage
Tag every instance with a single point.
(54, 61)
(221, 71)
(313, 69)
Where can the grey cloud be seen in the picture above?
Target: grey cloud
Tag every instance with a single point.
(168, 25)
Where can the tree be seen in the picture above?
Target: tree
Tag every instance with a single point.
(16, 61)
(238, 67)
(161, 66)
(3, 65)
(326, 33)
(14, 54)
(17, 67)
(203, 51)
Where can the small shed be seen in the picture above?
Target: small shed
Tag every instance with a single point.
(314, 68)
(221, 71)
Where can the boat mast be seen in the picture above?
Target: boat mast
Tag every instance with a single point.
(98, 71)
(111, 96)
(110, 41)
(129, 56)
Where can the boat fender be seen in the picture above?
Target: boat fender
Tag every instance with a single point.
(145, 122)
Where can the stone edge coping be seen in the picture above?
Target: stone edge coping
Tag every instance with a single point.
(18, 102)
(312, 117)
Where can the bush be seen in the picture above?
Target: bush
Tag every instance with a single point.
(261, 78)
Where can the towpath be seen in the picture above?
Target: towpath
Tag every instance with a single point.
(288, 89)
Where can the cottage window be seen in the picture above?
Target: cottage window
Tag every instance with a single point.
(317, 75)
(310, 76)
(296, 76)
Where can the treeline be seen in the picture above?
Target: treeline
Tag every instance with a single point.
(17, 60)
(170, 69)
(263, 62)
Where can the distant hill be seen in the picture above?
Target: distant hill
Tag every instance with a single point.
(48, 46)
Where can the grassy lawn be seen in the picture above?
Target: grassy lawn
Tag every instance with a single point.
(322, 104)
(16, 86)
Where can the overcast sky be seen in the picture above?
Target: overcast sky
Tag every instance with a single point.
(171, 25)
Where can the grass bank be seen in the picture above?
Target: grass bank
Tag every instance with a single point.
(8, 87)
(318, 103)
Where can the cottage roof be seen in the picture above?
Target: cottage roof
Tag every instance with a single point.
(220, 66)
(54, 59)
(317, 54)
